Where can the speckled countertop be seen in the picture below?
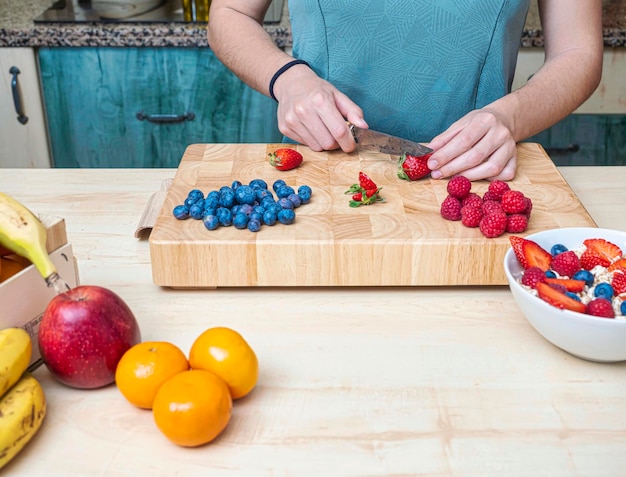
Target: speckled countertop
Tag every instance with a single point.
(17, 29)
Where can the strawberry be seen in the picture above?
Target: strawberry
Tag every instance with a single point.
(619, 281)
(365, 197)
(365, 182)
(575, 286)
(285, 159)
(619, 263)
(607, 250)
(565, 263)
(412, 168)
(558, 299)
(516, 245)
(535, 255)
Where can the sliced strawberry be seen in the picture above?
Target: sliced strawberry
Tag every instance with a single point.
(604, 248)
(619, 263)
(358, 196)
(535, 255)
(558, 299)
(516, 244)
(365, 182)
(590, 259)
(575, 286)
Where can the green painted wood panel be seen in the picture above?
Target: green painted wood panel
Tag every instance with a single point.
(93, 95)
(586, 140)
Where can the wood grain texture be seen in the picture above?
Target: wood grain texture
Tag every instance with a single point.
(401, 241)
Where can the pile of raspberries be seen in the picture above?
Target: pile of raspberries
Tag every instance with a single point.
(500, 209)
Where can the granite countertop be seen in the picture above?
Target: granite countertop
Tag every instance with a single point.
(17, 29)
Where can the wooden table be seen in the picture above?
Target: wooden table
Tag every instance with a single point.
(437, 381)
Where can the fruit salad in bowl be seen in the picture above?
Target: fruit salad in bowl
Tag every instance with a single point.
(570, 284)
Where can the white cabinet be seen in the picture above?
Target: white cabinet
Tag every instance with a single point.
(23, 137)
(609, 97)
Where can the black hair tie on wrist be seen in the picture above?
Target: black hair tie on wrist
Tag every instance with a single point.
(281, 71)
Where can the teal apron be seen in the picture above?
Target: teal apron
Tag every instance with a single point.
(413, 66)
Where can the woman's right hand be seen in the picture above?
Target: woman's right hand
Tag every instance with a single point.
(313, 112)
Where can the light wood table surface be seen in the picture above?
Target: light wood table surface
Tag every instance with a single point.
(441, 381)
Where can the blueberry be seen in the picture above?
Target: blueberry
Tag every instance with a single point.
(224, 189)
(550, 274)
(211, 222)
(305, 192)
(246, 209)
(558, 248)
(181, 212)
(195, 194)
(235, 184)
(196, 211)
(269, 217)
(211, 202)
(259, 209)
(603, 290)
(572, 295)
(256, 216)
(189, 201)
(285, 203)
(266, 202)
(295, 200)
(254, 225)
(278, 184)
(224, 216)
(585, 275)
(262, 194)
(240, 220)
(215, 195)
(245, 195)
(258, 184)
(622, 308)
(227, 198)
(284, 191)
(286, 216)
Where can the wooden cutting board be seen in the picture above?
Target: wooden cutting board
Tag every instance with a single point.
(402, 241)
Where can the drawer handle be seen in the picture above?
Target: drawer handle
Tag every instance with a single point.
(165, 118)
(15, 88)
(563, 150)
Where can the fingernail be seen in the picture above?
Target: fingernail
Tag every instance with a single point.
(435, 174)
(432, 164)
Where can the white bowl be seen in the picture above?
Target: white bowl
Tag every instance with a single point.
(587, 337)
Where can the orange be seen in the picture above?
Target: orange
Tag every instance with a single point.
(223, 351)
(145, 367)
(192, 408)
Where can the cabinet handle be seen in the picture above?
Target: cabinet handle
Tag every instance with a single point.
(563, 150)
(166, 118)
(15, 88)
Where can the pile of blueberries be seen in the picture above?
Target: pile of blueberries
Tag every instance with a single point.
(244, 205)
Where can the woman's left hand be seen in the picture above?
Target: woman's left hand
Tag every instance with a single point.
(477, 146)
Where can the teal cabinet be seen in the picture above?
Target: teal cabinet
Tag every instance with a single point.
(586, 140)
(141, 107)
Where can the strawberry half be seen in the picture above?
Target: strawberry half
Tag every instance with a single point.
(530, 253)
(516, 244)
(285, 159)
(412, 168)
(558, 299)
(605, 249)
(572, 285)
(365, 182)
(620, 263)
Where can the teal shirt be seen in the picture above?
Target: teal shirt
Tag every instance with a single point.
(413, 66)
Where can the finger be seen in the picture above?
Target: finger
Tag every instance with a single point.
(493, 166)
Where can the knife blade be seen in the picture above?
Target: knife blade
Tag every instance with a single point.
(378, 141)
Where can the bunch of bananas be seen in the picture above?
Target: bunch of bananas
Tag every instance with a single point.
(22, 399)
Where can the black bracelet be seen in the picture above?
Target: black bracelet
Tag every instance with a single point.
(281, 71)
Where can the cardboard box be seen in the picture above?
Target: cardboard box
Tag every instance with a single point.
(25, 296)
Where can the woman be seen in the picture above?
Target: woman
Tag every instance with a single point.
(436, 71)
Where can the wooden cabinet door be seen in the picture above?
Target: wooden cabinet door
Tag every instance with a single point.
(23, 137)
(141, 107)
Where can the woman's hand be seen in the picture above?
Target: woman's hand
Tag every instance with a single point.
(479, 146)
(313, 112)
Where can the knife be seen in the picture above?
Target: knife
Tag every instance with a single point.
(377, 141)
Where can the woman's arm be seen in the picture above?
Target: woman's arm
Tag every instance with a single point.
(482, 144)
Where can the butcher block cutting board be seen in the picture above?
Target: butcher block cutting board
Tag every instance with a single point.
(402, 241)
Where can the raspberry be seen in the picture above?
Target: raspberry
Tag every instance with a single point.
(459, 187)
(492, 207)
(600, 307)
(490, 196)
(498, 188)
(513, 202)
(529, 206)
(516, 223)
(451, 208)
(493, 225)
(472, 199)
(532, 276)
(470, 216)
(566, 264)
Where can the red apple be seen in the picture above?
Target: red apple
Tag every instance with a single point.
(83, 334)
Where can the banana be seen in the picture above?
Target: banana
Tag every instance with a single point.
(15, 352)
(22, 410)
(24, 234)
